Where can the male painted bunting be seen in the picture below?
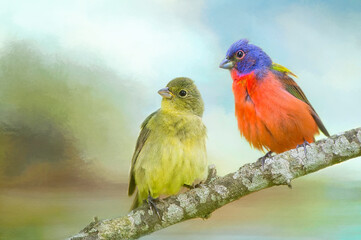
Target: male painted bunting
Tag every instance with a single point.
(170, 150)
(272, 111)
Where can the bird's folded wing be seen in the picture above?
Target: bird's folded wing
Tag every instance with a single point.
(143, 136)
(291, 86)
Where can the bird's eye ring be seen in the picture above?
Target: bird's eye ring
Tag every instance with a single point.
(182, 93)
(240, 54)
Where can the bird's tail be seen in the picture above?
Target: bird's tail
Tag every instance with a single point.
(135, 203)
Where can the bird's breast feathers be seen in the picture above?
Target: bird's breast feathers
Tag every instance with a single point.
(174, 154)
(268, 116)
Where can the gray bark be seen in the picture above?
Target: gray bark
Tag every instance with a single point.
(200, 202)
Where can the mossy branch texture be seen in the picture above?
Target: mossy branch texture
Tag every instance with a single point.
(217, 191)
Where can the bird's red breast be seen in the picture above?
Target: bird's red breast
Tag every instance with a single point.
(268, 116)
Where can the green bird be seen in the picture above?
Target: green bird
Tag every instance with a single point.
(170, 151)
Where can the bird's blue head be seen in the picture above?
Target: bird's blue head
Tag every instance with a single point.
(245, 58)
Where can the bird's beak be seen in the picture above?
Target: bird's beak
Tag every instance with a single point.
(226, 64)
(165, 93)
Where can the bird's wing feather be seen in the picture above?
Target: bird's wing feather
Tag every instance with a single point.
(143, 136)
(292, 87)
(280, 68)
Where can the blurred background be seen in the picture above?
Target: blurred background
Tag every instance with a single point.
(77, 78)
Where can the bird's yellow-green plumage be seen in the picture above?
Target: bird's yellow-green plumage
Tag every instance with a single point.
(171, 150)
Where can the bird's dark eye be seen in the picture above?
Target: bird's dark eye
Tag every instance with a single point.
(182, 93)
(240, 54)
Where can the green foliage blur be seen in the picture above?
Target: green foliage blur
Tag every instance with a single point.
(54, 119)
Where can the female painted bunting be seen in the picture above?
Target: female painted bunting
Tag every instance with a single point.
(272, 111)
(170, 150)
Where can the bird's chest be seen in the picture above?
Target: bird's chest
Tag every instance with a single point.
(183, 128)
(251, 102)
(245, 89)
(177, 137)
(176, 155)
(258, 97)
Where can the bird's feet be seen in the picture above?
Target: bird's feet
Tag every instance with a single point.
(193, 186)
(304, 144)
(263, 159)
(152, 205)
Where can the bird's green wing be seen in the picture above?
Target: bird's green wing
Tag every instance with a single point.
(291, 86)
(280, 68)
(143, 136)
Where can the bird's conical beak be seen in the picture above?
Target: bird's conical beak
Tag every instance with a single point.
(226, 64)
(165, 93)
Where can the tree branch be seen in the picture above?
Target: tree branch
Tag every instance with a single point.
(218, 191)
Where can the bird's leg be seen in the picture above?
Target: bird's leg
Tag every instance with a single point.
(263, 159)
(153, 207)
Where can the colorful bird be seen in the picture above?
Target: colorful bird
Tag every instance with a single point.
(170, 152)
(272, 111)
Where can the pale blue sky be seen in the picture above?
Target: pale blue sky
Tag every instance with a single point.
(147, 43)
